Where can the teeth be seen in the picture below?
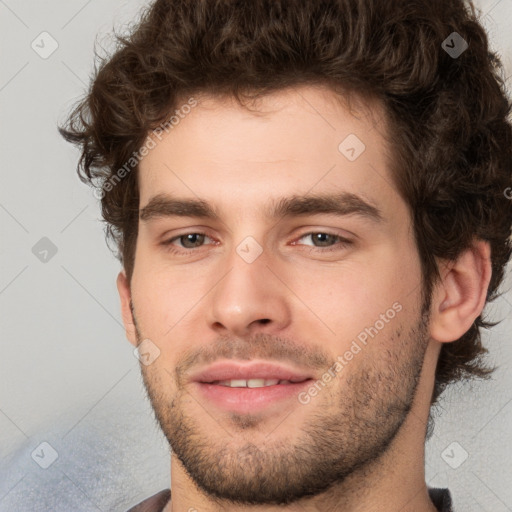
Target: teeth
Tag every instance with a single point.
(250, 383)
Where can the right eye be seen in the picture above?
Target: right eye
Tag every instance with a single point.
(192, 238)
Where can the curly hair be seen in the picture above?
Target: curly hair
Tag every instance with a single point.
(448, 115)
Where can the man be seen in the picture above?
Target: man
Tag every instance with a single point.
(309, 203)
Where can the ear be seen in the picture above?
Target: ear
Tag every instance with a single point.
(123, 287)
(460, 296)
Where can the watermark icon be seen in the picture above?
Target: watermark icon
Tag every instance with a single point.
(351, 147)
(249, 250)
(454, 45)
(148, 145)
(44, 250)
(454, 455)
(44, 45)
(146, 352)
(508, 192)
(304, 397)
(45, 455)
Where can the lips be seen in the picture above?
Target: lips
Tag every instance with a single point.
(251, 383)
(231, 371)
(249, 387)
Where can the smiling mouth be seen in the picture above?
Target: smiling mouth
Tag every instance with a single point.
(253, 383)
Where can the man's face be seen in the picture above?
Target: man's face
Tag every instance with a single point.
(250, 287)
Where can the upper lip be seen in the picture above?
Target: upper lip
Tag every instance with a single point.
(225, 370)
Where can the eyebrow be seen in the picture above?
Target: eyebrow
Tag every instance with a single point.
(341, 204)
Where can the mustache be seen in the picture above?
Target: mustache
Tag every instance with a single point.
(258, 346)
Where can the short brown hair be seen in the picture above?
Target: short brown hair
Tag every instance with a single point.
(450, 134)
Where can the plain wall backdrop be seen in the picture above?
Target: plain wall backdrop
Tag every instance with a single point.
(68, 377)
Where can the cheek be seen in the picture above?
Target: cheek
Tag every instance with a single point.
(348, 298)
(361, 298)
(164, 297)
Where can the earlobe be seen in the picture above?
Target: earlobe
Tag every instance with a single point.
(123, 287)
(460, 296)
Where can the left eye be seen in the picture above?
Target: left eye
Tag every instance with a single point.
(321, 237)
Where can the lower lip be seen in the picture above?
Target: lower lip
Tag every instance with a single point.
(246, 400)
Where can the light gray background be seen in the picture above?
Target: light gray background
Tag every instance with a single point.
(68, 376)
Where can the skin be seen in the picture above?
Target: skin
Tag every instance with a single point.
(358, 445)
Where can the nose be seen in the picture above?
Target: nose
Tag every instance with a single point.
(249, 296)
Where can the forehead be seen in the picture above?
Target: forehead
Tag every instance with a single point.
(295, 141)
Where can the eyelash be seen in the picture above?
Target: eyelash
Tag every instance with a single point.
(338, 247)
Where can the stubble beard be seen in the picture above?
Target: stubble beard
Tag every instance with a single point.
(363, 413)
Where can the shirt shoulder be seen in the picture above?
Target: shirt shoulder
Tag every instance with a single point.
(155, 503)
(442, 499)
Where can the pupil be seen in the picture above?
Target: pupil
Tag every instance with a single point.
(322, 235)
(188, 238)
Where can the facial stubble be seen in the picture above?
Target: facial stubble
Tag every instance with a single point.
(371, 405)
